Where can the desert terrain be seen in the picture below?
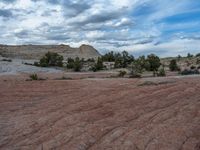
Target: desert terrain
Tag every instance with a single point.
(100, 113)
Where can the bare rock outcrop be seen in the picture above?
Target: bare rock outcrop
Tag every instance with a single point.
(37, 51)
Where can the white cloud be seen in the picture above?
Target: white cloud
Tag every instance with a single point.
(106, 24)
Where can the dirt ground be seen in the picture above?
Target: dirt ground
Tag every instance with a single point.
(100, 114)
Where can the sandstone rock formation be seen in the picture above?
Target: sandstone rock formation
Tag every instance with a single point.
(37, 51)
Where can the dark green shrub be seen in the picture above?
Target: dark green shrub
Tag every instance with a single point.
(77, 64)
(8, 60)
(98, 65)
(198, 61)
(70, 63)
(91, 60)
(36, 64)
(122, 73)
(189, 55)
(189, 72)
(34, 77)
(135, 76)
(192, 67)
(161, 72)
(198, 55)
(51, 59)
(173, 65)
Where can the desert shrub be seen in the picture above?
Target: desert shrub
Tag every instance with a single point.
(51, 59)
(192, 67)
(77, 64)
(179, 57)
(8, 60)
(198, 55)
(161, 72)
(151, 83)
(173, 65)
(63, 78)
(34, 77)
(98, 65)
(30, 64)
(135, 76)
(36, 64)
(198, 61)
(137, 69)
(122, 73)
(147, 83)
(91, 60)
(70, 63)
(189, 55)
(189, 72)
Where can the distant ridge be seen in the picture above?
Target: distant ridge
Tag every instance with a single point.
(37, 51)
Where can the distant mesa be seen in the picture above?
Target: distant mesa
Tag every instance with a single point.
(37, 51)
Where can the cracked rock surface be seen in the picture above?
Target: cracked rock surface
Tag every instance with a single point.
(100, 114)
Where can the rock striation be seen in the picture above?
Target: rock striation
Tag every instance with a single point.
(37, 51)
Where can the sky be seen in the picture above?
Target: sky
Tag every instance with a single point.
(164, 27)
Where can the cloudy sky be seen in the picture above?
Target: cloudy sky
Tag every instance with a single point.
(164, 27)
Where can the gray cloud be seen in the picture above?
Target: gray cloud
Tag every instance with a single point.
(6, 13)
(8, 1)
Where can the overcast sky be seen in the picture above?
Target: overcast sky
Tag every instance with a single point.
(164, 27)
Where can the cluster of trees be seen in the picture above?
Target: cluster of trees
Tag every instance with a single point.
(138, 66)
(75, 64)
(122, 60)
(189, 55)
(50, 59)
(149, 63)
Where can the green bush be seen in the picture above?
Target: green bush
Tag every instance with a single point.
(189, 72)
(135, 76)
(51, 59)
(198, 55)
(98, 65)
(173, 65)
(77, 64)
(70, 63)
(154, 63)
(198, 61)
(8, 60)
(122, 73)
(161, 72)
(34, 77)
(192, 67)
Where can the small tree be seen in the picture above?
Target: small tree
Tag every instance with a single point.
(189, 55)
(136, 69)
(77, 64)
(154, 63)
(70, 63)
(173, 65)
(98, 65)
(126, 59)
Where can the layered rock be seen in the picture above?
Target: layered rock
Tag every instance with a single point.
(37, 51)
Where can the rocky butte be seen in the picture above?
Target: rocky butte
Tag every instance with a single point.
(37, 51)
